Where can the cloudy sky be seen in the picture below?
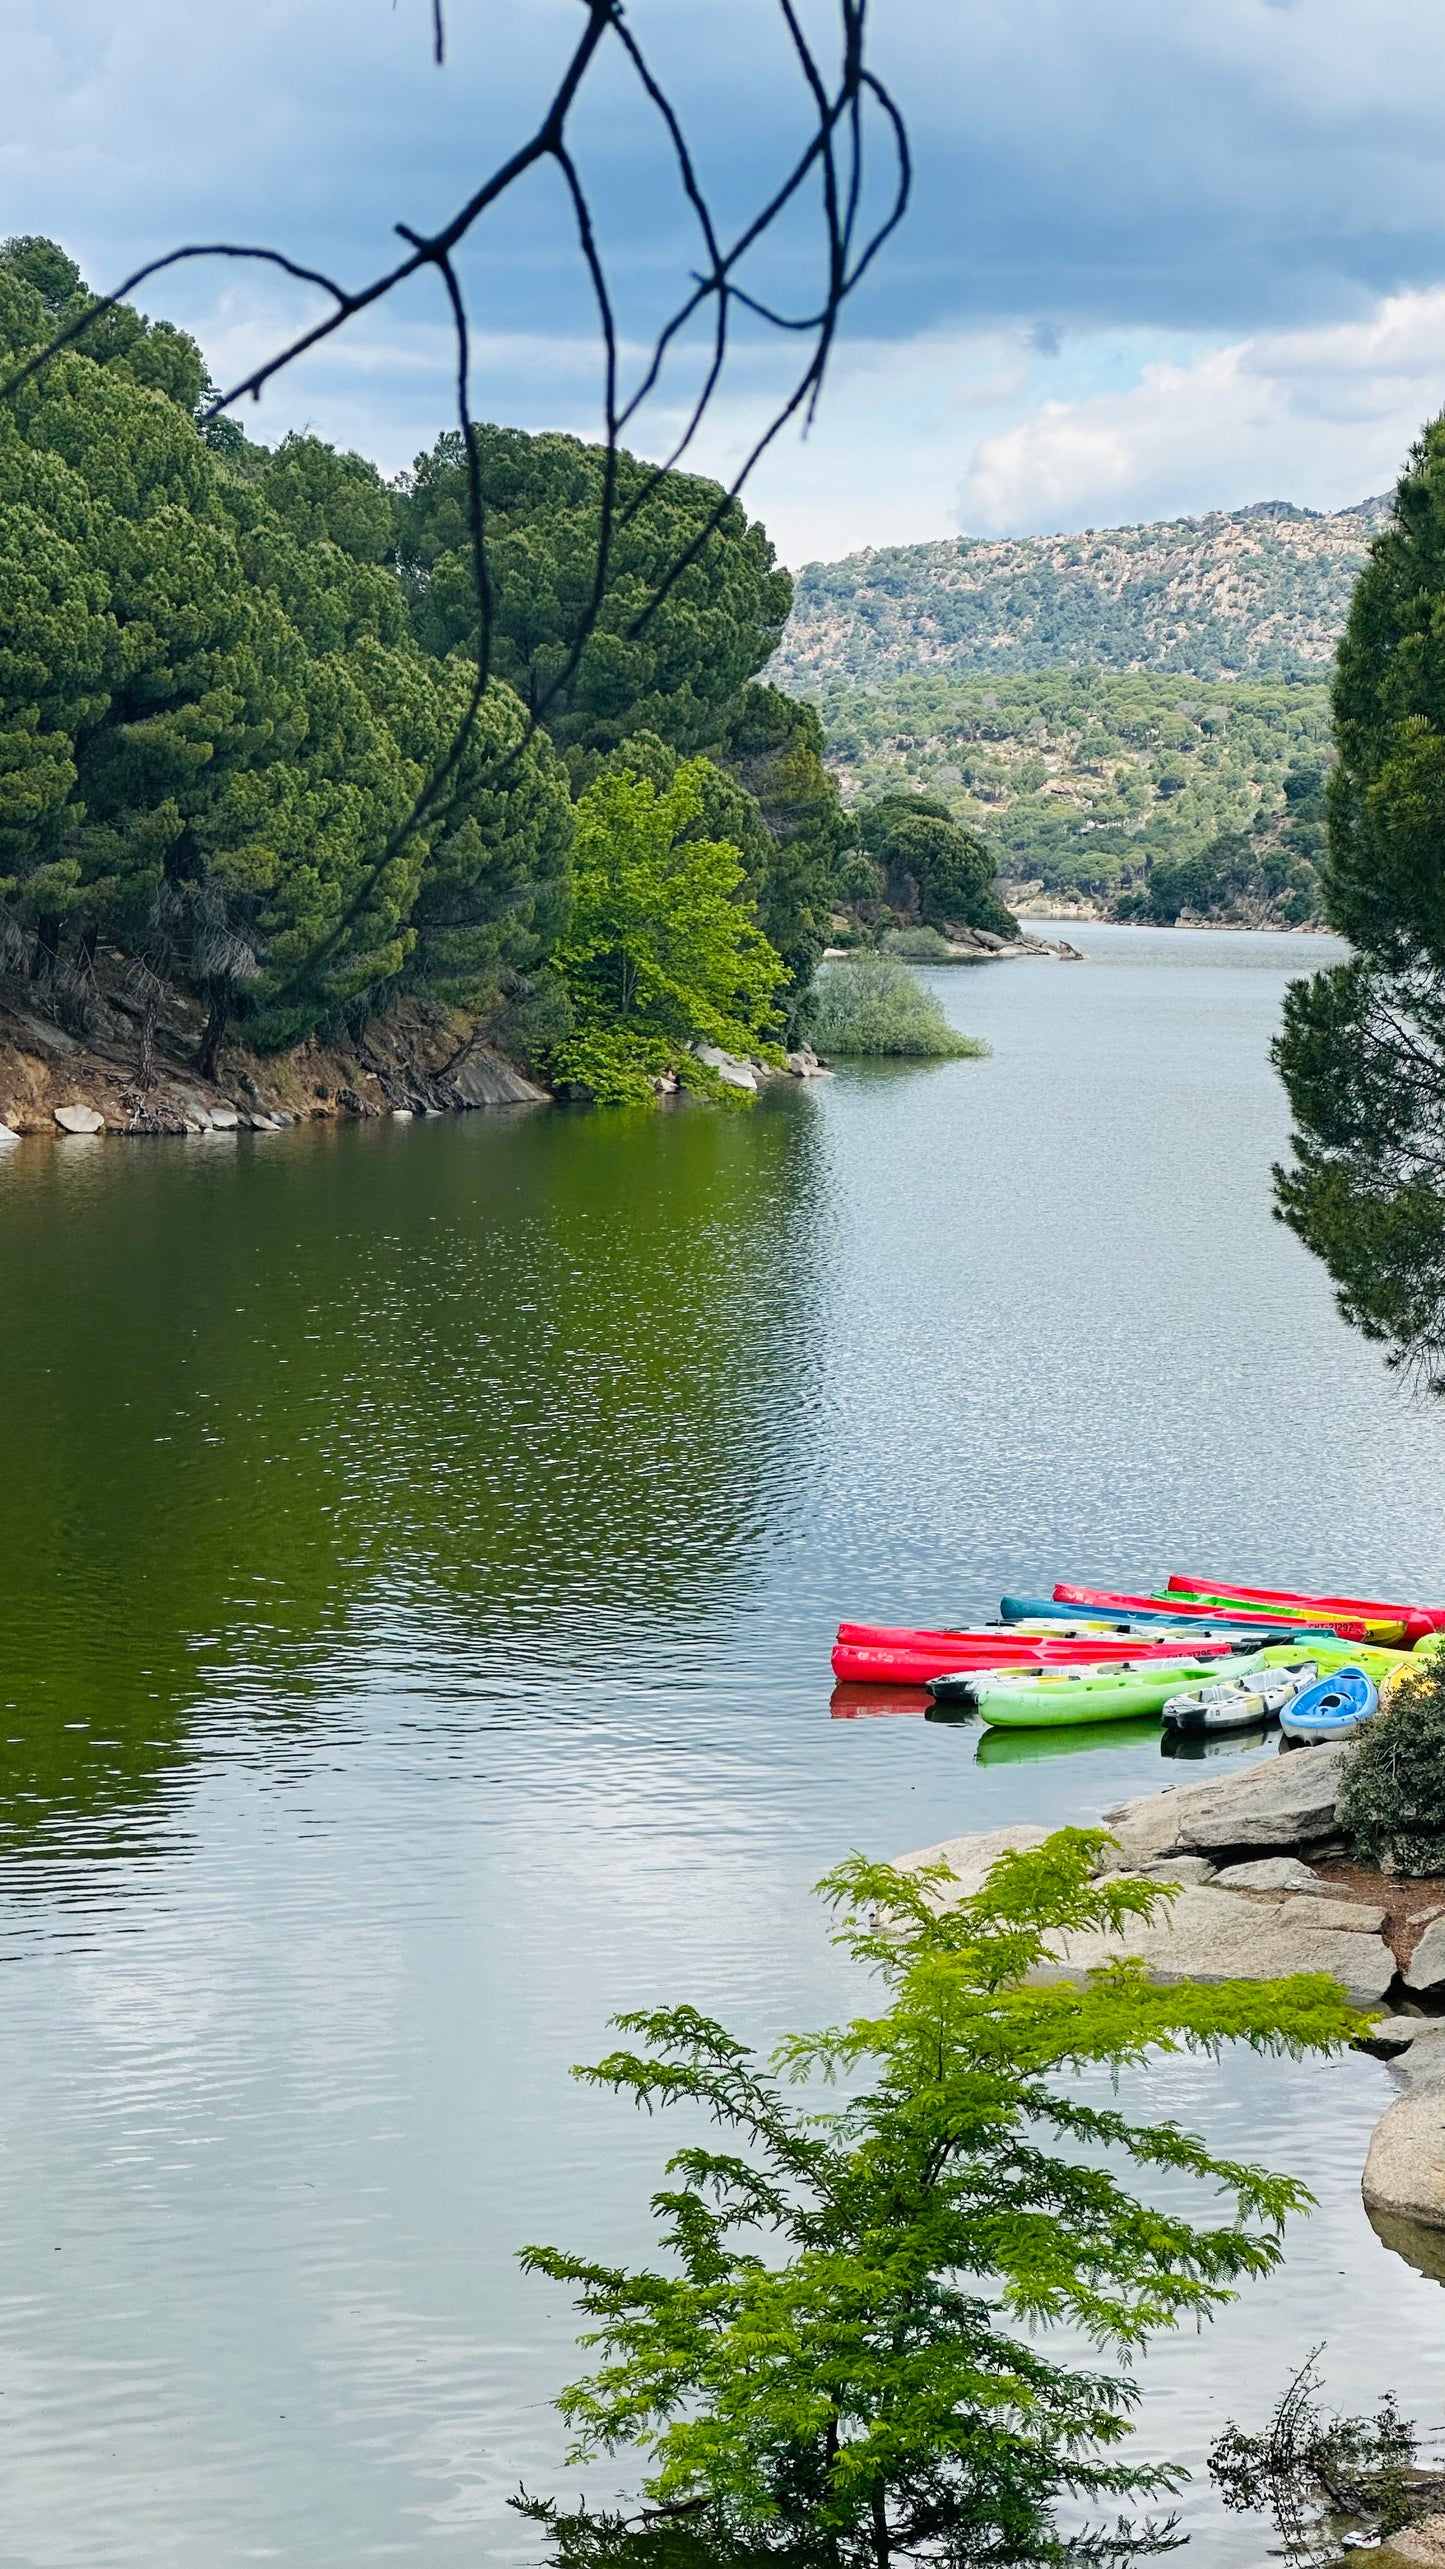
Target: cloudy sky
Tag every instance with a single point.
(1163, 255)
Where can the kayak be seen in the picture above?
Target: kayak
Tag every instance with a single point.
(1138, 1618)
(1423, 1618)
(1330, 1656)
(1007, 1636)
(1399, 1680)
(1238, 1703)
(913, 1659)
(1288, 1619)
(1037, 1699)
(1331, 1707)
(1379, 1623)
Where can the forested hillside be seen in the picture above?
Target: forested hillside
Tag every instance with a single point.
(1264, 591)
(1086, 785)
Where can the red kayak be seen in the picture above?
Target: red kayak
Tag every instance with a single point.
(911, 1658)
(1417, 1620)
(1346, 1627)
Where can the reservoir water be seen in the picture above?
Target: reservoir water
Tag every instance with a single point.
(421, 1547)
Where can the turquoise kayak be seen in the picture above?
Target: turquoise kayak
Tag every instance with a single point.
(1041, 1698)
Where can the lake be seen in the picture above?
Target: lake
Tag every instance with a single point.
(422, 1545)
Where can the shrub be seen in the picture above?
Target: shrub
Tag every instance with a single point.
(870, 1003)
(918, 945)
(1392, 1795)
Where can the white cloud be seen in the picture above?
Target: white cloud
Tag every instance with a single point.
(1321, 416)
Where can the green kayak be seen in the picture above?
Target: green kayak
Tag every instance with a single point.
(1039, 1698)
(1327, 1656)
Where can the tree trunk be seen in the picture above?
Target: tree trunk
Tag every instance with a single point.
(208, 1058)
(881, 2552)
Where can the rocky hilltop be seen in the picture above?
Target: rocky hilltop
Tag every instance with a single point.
(1262, 590)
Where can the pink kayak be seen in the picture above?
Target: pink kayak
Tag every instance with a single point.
(1346, 1627)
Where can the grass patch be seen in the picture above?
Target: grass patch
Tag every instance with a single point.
(918, 945)
(871, 1003)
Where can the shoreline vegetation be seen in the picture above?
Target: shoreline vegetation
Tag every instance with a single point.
(262, 830)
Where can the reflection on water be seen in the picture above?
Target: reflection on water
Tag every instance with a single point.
(422, 1547)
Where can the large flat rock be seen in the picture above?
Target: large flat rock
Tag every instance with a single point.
(1405, 2171)
(1202, 1934)
(1208, 1934)
(1285, 1802)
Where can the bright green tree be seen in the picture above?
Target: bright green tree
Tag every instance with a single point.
(879, 2391)
(663, 950)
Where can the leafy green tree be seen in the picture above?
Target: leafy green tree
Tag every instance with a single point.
(774, 800)
(327, 498)
(1362, 1046)
(680, 674)
(153, 353)
(934, 866)
(871, 2395)
(663, 950)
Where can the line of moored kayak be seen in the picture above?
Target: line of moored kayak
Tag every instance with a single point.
(1204, 1656)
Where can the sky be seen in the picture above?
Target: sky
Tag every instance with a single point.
(1162, 256)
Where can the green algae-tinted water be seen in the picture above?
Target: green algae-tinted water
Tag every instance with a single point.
(421, 1546)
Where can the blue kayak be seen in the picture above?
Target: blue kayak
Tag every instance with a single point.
(1330, 1707)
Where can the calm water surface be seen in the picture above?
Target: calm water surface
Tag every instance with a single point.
(421, 1546)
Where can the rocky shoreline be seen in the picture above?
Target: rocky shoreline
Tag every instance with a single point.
(132, 1072)
(1266, 1888)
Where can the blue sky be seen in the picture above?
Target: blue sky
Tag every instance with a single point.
(1161, 257)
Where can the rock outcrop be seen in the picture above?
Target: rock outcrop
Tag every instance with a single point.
(1264, 1916)
(1285, 1803)
(1204, 1932)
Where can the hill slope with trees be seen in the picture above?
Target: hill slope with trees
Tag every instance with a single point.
(1262, 590)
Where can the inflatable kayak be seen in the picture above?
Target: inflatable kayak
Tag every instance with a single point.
(1038, 1699)
(1237, 1703)
(1415, 1620)
(1288, 1619)
(1331, 1707)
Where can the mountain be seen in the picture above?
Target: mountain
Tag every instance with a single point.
(1261, 591)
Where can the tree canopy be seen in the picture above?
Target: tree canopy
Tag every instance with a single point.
(661, 953)
(932, 865)
(672, 663)
(1362, 1047)
(229, 672)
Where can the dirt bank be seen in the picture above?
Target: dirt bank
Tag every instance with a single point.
(135, 1068)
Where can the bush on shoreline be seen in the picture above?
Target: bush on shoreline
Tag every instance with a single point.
(872, 1004)
(1392, 1797)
